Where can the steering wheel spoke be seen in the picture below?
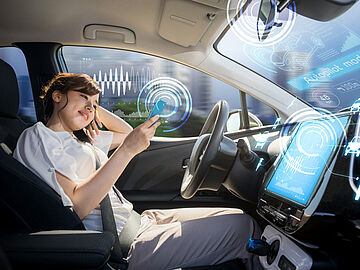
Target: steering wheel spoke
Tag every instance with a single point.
(205, 150)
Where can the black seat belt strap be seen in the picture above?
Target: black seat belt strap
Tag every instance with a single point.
(109, 225)
(108, 220)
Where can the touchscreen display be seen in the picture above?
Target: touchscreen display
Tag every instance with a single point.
(306, 157)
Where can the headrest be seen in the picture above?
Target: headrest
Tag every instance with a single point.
(9, 91)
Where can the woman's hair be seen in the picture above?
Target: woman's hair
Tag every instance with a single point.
(64, 82)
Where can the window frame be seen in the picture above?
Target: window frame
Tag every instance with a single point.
(246, 125)
(31, 86)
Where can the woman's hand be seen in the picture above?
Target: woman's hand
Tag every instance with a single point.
(92, 129)
(139, 139)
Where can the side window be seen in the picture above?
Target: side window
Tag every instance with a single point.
(132, 82)
(259, 115)
(263, 112)
(16, 59)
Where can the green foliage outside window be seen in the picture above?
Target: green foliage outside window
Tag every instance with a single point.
(127, 110)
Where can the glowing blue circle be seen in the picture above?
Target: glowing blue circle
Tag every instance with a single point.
(174, 93)
(247, 16)
(325, 132)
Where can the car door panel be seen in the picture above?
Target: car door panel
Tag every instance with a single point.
(157, 169)
(153, 178)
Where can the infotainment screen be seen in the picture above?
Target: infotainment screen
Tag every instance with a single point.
(300, 167)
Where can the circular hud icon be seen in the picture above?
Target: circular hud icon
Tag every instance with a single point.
(326, 99)
(260, 22)
(312, 136)
(176, 96)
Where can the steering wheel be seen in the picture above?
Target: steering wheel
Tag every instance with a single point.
(205, 149)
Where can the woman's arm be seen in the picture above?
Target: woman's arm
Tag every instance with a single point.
(87, 195)
(113, 123)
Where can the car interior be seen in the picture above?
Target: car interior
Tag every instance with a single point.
(248, 149)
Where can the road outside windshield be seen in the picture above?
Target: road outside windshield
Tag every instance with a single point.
(318, 62)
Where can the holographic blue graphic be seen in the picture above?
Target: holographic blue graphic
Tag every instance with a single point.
(322, 132)
(261, 140)
(353, 147)
(277, 122)
(356, 106)
(334, 69)
(259, 164)
(357, 193)
(306, 158)
(245, 26)
(177, 97)
(303, 115)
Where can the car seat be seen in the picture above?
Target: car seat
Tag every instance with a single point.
(27, 203)
(11, 125)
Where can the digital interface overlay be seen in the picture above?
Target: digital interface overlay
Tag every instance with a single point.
(176, 96)
(317, 62)
(306, 157)
(247, 27)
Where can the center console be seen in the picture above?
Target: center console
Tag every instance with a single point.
(283, 252)
(296, 188)
(296, 182)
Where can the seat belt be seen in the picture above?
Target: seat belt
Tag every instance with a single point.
(130, 229)
(108, 220)
(109, 225)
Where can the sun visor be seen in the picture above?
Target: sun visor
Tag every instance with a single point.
(220, 4)
(323, 10)
(185, 22)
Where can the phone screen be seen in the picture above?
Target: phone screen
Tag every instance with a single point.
(157, 109)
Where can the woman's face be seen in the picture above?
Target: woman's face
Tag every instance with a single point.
(79, 110)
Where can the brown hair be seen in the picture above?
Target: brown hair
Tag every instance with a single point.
(64, 82)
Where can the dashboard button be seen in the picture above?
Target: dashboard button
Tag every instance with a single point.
(285, 264)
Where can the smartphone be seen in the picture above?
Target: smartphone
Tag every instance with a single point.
(157, 109)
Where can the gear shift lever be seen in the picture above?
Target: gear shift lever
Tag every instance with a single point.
(247, 157)
(258, 247)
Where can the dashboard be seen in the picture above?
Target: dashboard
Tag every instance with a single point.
(309, 197)
(303, 181)
(294, 186)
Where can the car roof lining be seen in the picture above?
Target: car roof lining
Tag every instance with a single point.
(64, 22)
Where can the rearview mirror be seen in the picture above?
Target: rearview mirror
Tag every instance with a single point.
(234, 121)
(266, 18)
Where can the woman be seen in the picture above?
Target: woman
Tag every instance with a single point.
(65, 150)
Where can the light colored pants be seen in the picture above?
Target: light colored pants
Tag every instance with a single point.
(187, 237)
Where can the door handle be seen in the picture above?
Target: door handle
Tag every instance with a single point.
(185, 163)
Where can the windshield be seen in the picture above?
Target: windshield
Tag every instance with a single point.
(319, 62)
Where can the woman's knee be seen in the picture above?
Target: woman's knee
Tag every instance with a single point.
(241, 226)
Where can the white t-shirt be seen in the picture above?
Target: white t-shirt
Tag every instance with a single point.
(43, 151)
